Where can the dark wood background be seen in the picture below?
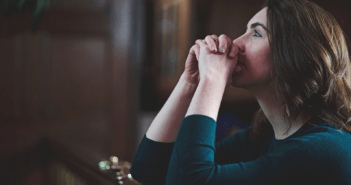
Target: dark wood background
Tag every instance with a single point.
(95, 74)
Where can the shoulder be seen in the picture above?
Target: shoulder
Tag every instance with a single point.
(322, 146)
(324, 138)
(327, 136)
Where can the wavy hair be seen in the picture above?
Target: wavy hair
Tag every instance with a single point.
(310, 66)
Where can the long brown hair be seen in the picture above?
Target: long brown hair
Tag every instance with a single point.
(310, 65)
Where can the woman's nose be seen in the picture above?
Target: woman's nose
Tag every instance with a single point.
(240, 43)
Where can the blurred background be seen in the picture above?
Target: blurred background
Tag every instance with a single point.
(83, 80)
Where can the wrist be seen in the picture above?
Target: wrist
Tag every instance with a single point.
(207, 98)
(187, 85)
(188, 80)
(214, 79)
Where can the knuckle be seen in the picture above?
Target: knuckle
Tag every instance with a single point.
(223, 35)
(208, 37)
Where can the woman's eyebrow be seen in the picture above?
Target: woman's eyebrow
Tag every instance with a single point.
(257, 24)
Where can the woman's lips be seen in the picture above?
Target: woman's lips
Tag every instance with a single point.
(235, 69)
(239, 63)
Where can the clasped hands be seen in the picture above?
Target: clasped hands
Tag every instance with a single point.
(213, 58)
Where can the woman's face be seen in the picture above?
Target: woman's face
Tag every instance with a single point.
(254, 54)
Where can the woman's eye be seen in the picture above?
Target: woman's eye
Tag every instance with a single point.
(257, 34)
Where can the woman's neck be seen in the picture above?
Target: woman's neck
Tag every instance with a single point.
(275, 115)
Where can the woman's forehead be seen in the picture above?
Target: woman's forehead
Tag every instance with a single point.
(260, 17)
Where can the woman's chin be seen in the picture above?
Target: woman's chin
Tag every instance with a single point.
(235, 80)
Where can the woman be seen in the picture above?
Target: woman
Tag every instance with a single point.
(296, 63)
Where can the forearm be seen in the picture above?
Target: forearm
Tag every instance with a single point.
(207, 98)
(165, 126)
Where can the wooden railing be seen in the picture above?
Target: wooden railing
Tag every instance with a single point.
(51, 163)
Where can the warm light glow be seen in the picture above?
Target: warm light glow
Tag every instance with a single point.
(114, 159)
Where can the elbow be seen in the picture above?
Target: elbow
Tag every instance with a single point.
(146, 174)
(202, 177)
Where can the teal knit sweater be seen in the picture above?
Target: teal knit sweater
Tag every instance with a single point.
(318, 154)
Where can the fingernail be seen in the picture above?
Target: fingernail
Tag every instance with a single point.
(232, 55)
(222, 50)
(214, 49)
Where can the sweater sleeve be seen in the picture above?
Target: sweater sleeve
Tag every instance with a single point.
(151, 161)
(192, 160)
(231, 148)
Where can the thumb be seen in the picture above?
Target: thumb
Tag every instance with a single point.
(191, 55)
(195, 50)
